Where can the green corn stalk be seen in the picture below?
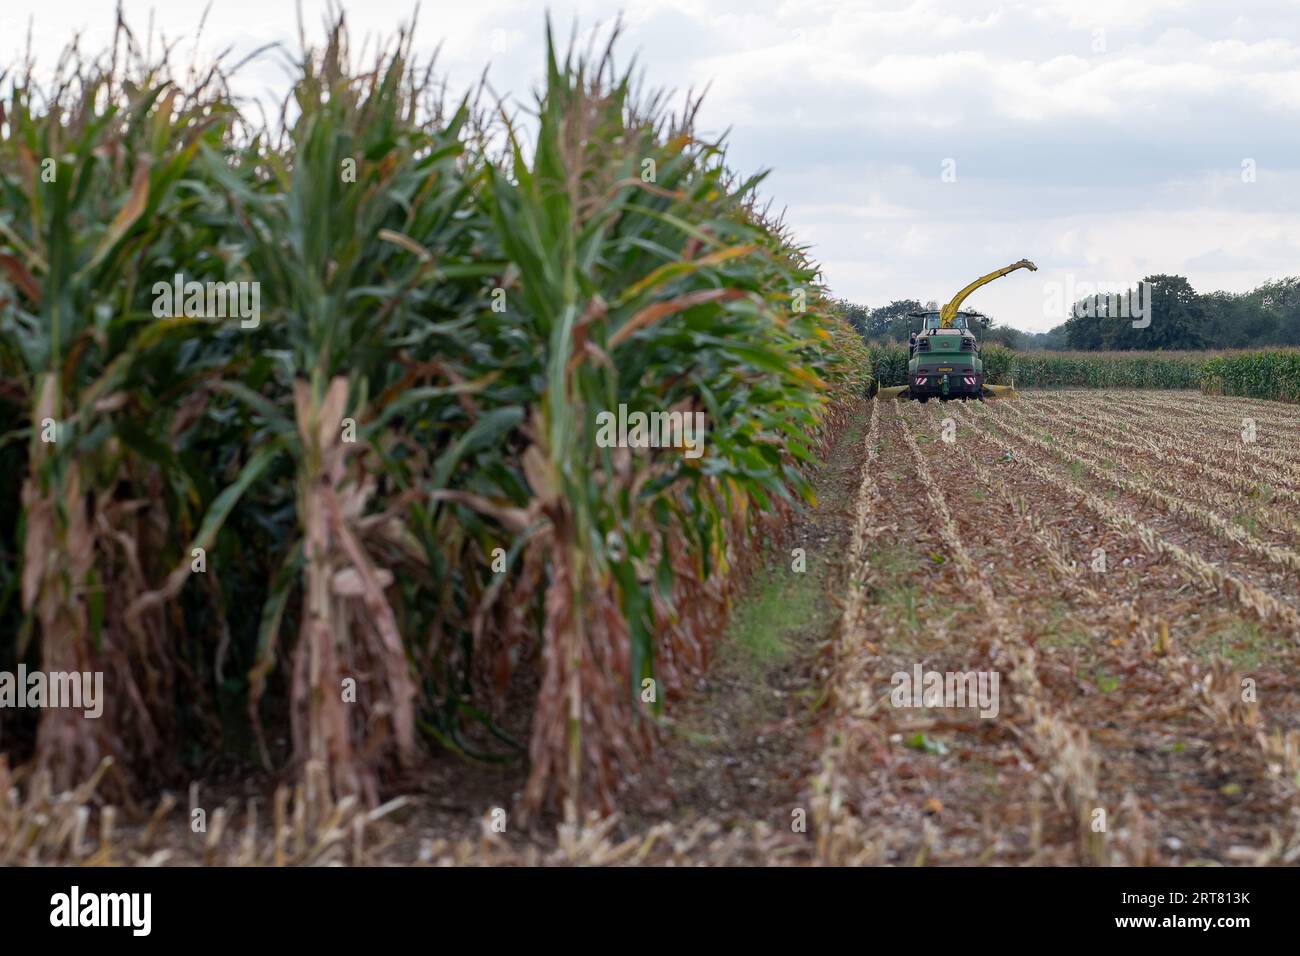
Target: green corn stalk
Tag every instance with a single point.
(354, 228)
(671, 294)
(98, 192)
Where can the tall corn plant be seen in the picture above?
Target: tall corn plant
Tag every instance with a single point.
(98, 195)
(661, 292)
(355, 228)
(13, 468)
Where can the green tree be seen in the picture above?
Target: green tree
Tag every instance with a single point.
(892, 322)
(1177, 317)
(858, 316)
(1173, 317)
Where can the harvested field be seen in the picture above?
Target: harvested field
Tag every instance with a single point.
(1126, 563)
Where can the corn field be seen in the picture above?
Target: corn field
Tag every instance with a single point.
(1109, 369)
(1267, 375)
(388, 479)
(1272, 375)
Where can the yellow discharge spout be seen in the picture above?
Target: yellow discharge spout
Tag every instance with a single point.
(948, 314)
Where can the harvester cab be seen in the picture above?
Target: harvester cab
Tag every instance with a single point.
(946, 362)
(933, 320)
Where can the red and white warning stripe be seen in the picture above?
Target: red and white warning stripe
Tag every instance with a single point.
(920, 380)
(969, 380)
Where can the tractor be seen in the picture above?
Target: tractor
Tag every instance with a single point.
(945, 362)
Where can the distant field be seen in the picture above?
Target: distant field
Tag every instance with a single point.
(1269, 374)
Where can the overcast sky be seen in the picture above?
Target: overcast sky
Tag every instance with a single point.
(1105, 140)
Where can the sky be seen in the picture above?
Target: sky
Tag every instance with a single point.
(913, 144)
